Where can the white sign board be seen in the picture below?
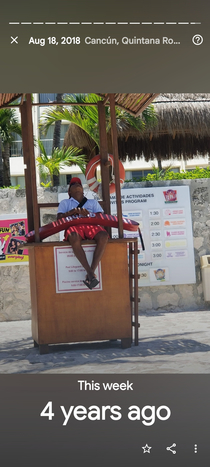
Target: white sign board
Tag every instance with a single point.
(164, 215)
(69, 273)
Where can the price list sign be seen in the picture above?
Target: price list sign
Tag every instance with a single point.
(164, 215)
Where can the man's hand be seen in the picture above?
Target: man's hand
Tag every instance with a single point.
(77, 211)
(83, 212)
(74, 212)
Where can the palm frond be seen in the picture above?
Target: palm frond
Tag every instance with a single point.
(59, 159)
(86, 118)
(9, 125)
(72, 115)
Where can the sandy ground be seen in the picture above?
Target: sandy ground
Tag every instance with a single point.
(168, 343)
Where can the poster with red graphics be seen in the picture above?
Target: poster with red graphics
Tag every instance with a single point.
(12, 240)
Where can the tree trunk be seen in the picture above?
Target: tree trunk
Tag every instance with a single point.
(57, 137)
(57, 127)
(160, 164)
(55, 180)
(6, 165)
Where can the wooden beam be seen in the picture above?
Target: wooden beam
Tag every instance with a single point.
(116, 164)
(30, 171)
(106, 99)
(104, 156)
(53, 104)
(148, 102)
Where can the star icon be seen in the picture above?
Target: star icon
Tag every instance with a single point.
(146, 449)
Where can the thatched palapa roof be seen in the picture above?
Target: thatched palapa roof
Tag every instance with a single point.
(77, 137)
(132, 103)
(182, 130)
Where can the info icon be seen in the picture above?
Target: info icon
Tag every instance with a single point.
(197, 39)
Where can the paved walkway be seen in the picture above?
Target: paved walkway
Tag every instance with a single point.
(168, 343)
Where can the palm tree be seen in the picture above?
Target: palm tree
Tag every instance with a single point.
(51, 165)
(86, 118)
(8, 126)
(57, 136)
(160, 173)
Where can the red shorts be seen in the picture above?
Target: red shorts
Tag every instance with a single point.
(84, 230)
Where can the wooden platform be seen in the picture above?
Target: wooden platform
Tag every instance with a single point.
(80, 316)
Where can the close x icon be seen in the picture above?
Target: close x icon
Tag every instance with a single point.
(14, 40)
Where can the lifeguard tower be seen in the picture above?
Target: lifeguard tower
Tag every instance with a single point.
(110, 313)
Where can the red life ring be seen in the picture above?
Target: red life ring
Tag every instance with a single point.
(93, 219)
(90, 173)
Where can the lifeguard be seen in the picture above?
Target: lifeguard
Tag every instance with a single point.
(75, 205)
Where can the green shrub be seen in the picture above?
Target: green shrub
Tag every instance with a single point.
(168, 174)
(16, 187)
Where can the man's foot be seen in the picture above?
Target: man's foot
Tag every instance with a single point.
(91, 283)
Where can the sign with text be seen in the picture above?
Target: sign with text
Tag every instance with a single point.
(69, 273)
(164, 215)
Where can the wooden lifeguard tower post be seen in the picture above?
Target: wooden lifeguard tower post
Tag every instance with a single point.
(112, 312)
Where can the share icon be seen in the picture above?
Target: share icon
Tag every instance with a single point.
(169, 448)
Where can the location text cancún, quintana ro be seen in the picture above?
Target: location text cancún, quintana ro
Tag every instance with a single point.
(101, 40)
(140, 40)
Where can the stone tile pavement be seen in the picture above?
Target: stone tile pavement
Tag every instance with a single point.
(169, 342)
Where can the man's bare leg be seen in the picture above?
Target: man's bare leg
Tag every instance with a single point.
(75, 241)
(101, 239)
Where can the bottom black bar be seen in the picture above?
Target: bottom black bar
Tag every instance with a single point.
(105, 420)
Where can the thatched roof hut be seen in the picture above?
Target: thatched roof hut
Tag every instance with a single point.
(182, 130)
(75, 136)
